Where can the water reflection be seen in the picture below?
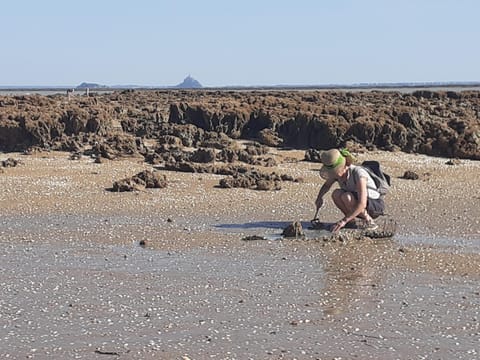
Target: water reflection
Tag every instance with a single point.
(354, 271)
(351, 270)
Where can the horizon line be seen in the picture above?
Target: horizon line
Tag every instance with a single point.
(97, 86)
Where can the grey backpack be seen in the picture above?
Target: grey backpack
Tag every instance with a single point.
(382, 180)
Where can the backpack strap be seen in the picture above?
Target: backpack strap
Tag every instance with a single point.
(356, 177)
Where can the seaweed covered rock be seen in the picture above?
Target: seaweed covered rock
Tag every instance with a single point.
(143, 180)
(438, 123)
(10, 162)
(294, 230)
(255, 180)
(116, 145)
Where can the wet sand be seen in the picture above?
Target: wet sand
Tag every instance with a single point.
(76, 284)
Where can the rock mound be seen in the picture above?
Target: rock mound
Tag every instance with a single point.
(143, 180)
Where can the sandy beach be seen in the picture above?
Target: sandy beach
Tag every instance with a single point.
(75, 283)
(160, 165)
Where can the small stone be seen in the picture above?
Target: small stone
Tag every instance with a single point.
(410, 175)
(253, 237)
(453, 162)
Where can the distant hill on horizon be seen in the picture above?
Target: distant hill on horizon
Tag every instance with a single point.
(189, 83)
(86, 85)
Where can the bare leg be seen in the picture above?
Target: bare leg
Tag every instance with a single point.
(346, 202)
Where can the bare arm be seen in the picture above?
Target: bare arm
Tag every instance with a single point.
(361, 205)
(362, 200)
(323, 190)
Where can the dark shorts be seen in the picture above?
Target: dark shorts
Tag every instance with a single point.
(375, 207)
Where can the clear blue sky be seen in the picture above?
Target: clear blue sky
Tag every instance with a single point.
(245, 42)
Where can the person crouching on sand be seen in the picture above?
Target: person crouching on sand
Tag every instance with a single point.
(357, 195)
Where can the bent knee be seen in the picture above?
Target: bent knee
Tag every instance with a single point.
(337, 194)
(347, 197)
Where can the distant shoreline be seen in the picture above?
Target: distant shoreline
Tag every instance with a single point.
(352, 88)
(361, 86)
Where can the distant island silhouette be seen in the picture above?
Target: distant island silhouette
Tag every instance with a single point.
(86, 85)
(189, 83)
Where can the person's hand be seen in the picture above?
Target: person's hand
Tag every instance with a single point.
(338, 225)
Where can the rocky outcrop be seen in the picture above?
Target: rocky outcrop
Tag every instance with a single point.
(433, 123)
(436, 123)
(41, 121)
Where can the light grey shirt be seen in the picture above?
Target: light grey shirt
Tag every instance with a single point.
(354, 173)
